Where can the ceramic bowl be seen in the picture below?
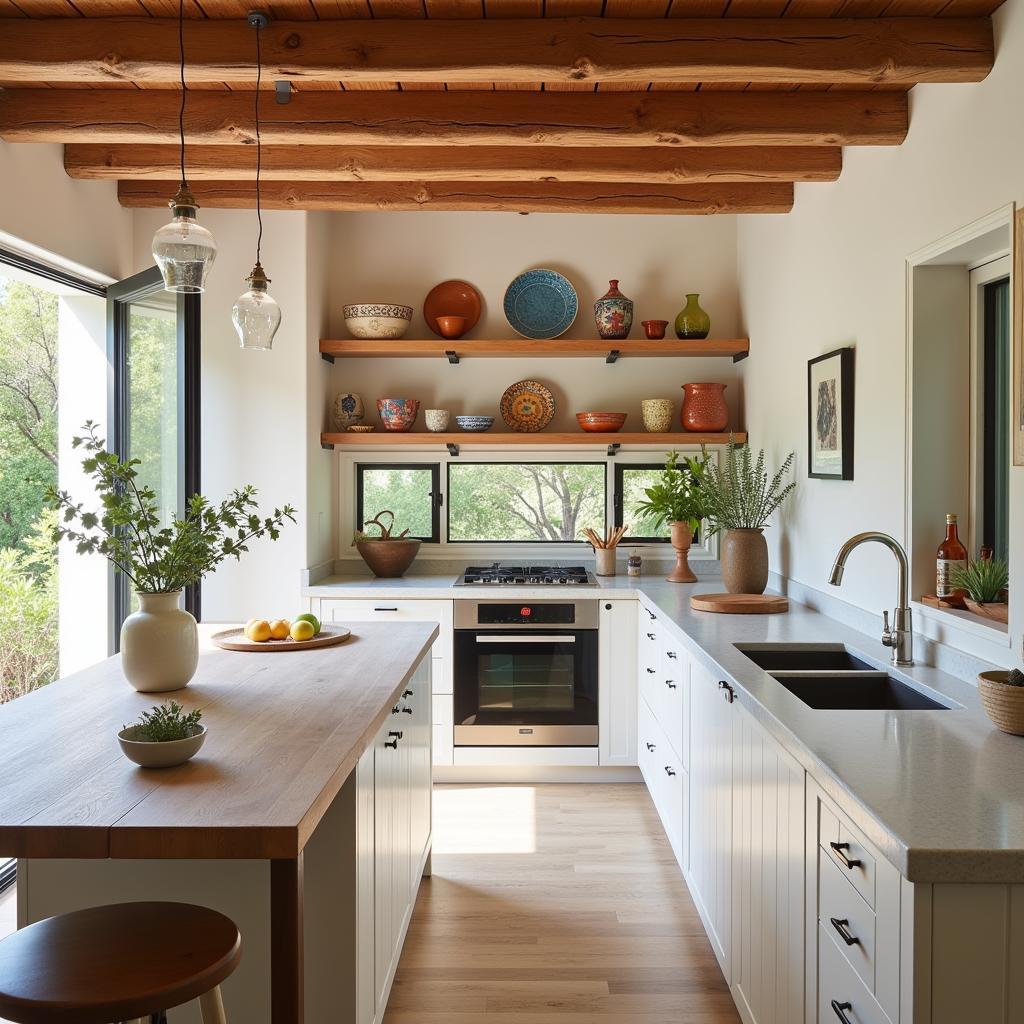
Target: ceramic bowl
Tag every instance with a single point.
(360, 428)
(654, 329)
(398, 413)
(475, 424)
(601, 422)
(657, 415)
(436, 420)
(451, 326)
(148, 754)
(377, 320)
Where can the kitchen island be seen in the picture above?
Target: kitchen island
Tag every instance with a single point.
(305, 817)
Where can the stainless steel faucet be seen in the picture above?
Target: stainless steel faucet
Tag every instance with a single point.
(901, 637)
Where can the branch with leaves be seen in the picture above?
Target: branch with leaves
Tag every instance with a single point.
(740, 495)
(678, 496)
(127, 528)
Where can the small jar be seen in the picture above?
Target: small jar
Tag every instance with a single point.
(634, 564)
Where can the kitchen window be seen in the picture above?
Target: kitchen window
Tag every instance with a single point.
(411, 491)
(630, 483)
(531, 503)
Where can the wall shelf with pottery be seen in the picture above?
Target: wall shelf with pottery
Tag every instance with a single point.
(560, 348)
(558, 440)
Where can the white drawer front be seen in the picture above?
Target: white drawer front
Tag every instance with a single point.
(842, 996)
(443, 728)
(673, 681)
(845, 915)
(665, 778)
(849, 851)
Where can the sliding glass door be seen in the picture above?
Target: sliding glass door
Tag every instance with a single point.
(153, 342)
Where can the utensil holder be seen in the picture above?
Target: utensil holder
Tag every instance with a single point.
(605, 561)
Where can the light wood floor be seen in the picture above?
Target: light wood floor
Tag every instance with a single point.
(557, 904)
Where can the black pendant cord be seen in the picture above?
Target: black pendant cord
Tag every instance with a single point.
(181, 109)
(259, 146)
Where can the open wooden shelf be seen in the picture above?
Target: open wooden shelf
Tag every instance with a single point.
(560, 348)
(398, 438)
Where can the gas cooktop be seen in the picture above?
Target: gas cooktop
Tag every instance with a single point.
(498, 574)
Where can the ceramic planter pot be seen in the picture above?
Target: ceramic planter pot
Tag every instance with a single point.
(388, 559)
(613, 313)
(704, 409)
(681, 537)
(744, 558)
(159, 644)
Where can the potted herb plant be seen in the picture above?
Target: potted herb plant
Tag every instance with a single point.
(387, 556)
(677, 499)
(984, 583)
(159, 642)
(740, 498)
(163, 737)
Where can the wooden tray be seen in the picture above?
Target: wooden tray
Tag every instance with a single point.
(234, 640)
(740, 604)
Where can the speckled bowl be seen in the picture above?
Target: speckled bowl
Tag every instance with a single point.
(474, 424)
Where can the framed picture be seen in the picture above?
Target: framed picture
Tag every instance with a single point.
(830, 415)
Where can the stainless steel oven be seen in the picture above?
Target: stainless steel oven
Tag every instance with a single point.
(525, 673)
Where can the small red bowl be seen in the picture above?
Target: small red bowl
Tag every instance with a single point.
(655, 329)
(601, 422)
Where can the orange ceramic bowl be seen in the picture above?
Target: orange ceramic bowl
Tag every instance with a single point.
(601, 422)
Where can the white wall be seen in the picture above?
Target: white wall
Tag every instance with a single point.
(832, 273)
(77, 220)
(399, 257)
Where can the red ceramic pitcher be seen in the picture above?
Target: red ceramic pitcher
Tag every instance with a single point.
(704, 409)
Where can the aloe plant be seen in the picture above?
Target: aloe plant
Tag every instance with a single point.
(984, 580)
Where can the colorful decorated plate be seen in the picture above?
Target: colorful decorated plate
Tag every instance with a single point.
(527, 406)
(540, 304)
(452, 298)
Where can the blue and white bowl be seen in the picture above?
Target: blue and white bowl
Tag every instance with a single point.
(377, 320)
(474, 424)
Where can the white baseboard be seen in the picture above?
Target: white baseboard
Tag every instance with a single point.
(533, 774)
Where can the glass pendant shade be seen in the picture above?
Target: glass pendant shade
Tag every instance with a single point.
(183, 249)
(256, 315)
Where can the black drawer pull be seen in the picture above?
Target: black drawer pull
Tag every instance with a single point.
(396, 733)
(669, 771)
(652, 615)
(393, 744)
(670, 684)
(840, 1010)
(385, 609)
(394, 710)
(406, 711)
(727, 691)
(407, 693)
(651, 671)
(651, 636)
(842, 925)
(840, 849)
(650, 746)
(671, 654)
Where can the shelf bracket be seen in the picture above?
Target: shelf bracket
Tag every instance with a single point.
(613, 449)
(453, 449)
(740, 356)
(327, 357)
(613, 356)
(453, 356)
(283, 92)
(327, 446)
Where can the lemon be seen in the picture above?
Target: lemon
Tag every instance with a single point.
(302, 629)
(279, 629)
(258, 630)
(311, 619)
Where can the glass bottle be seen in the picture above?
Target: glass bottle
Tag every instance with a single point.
(633, 564)
(692, 322)
(951, 554)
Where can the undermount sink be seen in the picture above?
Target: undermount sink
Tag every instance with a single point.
(856, 691)
(805, 659)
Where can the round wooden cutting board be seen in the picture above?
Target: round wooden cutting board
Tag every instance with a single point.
(234, 640)
(740, 604)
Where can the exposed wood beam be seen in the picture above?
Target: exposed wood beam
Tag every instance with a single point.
(462, 118)
(862, 52)
(523, 197)
(692, 165)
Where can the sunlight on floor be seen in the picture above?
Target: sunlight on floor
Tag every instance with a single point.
(8, 911)
(485, 819)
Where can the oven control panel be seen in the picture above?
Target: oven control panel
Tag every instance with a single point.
(519, 613)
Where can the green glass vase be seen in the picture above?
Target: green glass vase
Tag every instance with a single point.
(692, 321)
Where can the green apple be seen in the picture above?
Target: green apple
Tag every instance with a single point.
(311, 619)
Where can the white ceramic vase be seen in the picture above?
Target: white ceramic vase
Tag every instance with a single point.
(159, 644)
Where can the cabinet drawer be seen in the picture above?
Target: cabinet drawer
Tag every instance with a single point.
(849, 851)
(443, 729)
(673, 683)
(665, 778)
(400, 611)
(841, 993)
(842, 910)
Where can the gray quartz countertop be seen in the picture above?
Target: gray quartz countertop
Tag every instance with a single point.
(940, 792)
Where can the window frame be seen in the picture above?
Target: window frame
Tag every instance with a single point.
(542, 544)
(436, 494)
(617, 497)
(120, 296)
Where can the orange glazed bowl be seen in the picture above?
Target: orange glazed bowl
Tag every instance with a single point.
(601, 422)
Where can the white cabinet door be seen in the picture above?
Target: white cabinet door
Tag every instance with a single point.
(768, 877)
(617, 678)
(674, 683)
(712, 730)
(384, 764)
(417, 700)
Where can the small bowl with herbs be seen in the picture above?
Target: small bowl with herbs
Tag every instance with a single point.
(163, 737)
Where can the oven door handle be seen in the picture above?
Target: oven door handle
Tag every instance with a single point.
(483, 638)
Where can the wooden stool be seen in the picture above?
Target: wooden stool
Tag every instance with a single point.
(117, 963)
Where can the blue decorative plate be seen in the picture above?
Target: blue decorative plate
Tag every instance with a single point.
(540, 304)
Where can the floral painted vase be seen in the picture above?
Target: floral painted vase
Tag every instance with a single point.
(692, 323)
(348, 409)
(613, 313)
(704, 409)
(398, 414)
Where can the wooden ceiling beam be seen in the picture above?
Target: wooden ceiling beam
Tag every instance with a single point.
(461, 118)
(692, 165)
(511, 197)
(852, 52)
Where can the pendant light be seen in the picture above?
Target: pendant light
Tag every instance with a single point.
(256, 315)
(183, 249)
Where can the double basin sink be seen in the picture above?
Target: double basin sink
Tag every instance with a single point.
(829, 677)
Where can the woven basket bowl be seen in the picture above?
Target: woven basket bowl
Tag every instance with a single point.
(1004, 704)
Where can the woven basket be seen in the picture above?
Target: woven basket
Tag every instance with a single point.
(1004, 704)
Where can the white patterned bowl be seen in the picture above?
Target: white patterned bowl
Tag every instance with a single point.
(377, 320)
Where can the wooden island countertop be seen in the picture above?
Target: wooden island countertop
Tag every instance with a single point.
(285, 732)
